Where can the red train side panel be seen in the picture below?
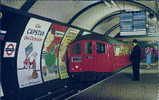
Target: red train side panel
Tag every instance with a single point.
(93, 57)
(87, 56)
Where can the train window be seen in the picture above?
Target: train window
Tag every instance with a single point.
(88, 49)
(100, 47)
(76, 49)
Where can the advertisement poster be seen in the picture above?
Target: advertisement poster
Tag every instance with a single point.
(69, 37)
(133, 23)
(50, 68)
(29, 53)
(139, 22)
(121, 50)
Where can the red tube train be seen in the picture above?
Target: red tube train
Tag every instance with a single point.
(91, 57)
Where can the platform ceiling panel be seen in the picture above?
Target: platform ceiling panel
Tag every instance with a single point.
(114, 32)
(150, 4)
(13, 3)
(128, 6)
(90, 17)
(107, 24)
(61, 11)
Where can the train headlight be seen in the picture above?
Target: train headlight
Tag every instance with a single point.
(76, 67)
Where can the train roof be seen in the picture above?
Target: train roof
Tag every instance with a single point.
(99, 37)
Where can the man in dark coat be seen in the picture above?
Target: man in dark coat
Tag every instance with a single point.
(135, 59)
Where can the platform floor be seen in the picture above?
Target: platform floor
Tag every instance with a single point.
(121, 87)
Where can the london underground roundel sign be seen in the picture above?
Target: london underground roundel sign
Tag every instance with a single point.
(9, 50)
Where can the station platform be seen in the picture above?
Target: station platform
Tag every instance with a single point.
(120, 86)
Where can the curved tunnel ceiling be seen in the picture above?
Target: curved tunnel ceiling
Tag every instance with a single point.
(83, 14)
(13, 3)
(59, 10)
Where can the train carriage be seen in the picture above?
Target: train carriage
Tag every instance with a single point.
(92, 56)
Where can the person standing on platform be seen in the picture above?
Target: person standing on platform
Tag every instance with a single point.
(135, 59)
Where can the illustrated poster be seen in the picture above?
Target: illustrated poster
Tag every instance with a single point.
(69, 37)
(28, 60)
(50, 68)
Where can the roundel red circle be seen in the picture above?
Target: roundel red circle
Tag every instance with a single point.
(10, 49)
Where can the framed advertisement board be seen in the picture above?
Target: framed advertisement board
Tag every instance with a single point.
(133, 23)
(29, 52)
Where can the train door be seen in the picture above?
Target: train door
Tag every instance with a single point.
(109, 59)
(100, 49)
(75, 57)
(88, 56)
(118, 58)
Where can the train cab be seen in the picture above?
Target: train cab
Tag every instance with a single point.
(90, 56)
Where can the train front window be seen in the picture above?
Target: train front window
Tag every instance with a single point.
(76, 49)
(100, 47)
(88, 49)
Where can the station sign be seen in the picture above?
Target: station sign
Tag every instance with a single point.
(9, 50)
